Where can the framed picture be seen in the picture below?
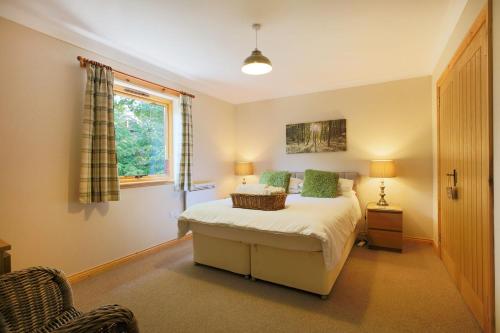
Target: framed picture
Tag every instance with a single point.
(316, 137)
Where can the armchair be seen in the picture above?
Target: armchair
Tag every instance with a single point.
(40, 300)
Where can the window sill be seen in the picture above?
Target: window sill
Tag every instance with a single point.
(145, 182)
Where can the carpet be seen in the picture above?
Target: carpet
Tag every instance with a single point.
(377, 291)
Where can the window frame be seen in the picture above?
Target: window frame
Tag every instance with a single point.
(131, 181)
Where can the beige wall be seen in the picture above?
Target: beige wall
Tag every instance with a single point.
(389, 120)
(469, 15)
(41, 94)
(39, 123)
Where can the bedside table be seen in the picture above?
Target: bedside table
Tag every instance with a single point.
(385, 227)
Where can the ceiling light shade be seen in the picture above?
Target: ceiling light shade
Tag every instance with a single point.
(256, 63)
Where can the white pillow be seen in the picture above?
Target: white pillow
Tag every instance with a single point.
(251, 188)
(258, 189)
(274, 189)
(345, 185)
(295, 185)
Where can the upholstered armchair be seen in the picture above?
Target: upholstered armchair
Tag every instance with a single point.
(40, 300)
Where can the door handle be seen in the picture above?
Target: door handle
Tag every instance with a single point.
(454, 175)
(452, 191)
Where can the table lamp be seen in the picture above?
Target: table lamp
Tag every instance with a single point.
(382, 169)
(243, 169)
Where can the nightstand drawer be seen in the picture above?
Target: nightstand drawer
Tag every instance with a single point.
(385, 239)
(385, 221)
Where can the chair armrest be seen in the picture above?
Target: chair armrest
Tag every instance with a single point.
(107, 318)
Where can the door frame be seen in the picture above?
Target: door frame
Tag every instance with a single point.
(484, 17)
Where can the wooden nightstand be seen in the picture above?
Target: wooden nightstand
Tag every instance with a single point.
(385, 227)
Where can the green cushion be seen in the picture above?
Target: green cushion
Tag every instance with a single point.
(276, 178)
(320, 184)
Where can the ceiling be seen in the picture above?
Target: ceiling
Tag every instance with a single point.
(314, 45)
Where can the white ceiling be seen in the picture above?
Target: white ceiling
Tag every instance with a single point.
(314, 45)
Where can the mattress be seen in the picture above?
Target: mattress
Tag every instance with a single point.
(281, 241)
(304, 223)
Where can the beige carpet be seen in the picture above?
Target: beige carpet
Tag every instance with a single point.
(377, 291)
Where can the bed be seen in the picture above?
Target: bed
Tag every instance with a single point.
(303, 246)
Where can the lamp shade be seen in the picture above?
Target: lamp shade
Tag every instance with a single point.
(243, 168)
(382, 169)
(256, 64)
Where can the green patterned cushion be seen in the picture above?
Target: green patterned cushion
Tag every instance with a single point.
(276, 178)
(320, 184)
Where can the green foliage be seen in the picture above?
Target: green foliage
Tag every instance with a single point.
(276, 178)
(320, 184)
(140, 137)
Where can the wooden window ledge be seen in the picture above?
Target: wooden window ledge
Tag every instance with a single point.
(145, 182)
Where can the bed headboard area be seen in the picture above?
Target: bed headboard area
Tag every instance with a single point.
(353, 175)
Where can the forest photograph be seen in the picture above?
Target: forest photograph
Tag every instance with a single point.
(316, 137)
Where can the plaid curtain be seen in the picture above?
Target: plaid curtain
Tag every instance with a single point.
(186, 158)
(98, 169)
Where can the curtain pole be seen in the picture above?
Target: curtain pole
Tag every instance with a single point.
(83, 62)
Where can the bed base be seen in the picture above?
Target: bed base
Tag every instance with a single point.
(221, 253)
(303, 270)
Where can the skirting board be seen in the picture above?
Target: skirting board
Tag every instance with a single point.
(77, 277)
(430, 242)
(435, 246)
(418, 240)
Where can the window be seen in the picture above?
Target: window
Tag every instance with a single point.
(143, 134)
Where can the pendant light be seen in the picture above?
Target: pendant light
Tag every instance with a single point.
(256, 63)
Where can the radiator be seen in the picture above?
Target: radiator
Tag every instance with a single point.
(200, 192)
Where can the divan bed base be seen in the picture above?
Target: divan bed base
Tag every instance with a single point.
(221, 253)
(303, 270)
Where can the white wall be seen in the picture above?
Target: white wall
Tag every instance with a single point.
(41, 95)
(469, 15)
(388, 120)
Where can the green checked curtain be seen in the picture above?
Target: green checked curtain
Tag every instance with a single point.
(186, 158)
(98, 171)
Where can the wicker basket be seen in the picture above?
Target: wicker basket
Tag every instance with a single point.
(275, 201)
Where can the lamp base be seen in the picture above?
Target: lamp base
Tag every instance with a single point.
(382, 201)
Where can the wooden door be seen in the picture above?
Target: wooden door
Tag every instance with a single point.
(465, 134)
(448, 139)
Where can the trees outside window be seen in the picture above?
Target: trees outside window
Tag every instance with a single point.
(142, 136)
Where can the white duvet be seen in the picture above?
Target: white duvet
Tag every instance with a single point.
(331, 220)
